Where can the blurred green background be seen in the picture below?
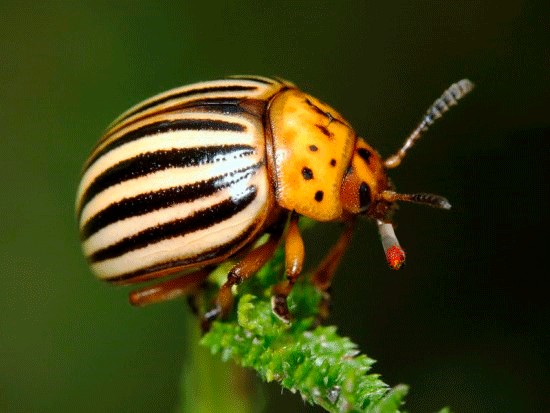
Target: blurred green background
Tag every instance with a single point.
(465, 324)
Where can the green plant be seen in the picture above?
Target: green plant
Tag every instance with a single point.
(325, 368)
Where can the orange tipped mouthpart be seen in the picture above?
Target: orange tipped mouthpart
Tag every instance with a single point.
(395, 255)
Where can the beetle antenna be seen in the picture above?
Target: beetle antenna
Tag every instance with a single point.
(395, 255)
(449, 98)
(435, 201)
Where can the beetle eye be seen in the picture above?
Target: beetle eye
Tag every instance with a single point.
(364, 154)
(364, 196)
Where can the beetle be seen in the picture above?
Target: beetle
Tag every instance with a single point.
(196, 175)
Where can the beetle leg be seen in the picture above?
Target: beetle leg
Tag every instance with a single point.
(195, 300)
(322, 276)
(244, 269)
(294, 261)
(168, 290)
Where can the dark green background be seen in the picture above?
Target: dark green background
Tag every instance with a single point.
(465, 323)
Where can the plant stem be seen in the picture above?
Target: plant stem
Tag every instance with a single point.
(209, 385)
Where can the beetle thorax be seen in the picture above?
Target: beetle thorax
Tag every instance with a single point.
(312, 146)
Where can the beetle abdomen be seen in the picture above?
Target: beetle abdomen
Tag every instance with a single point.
(176, 182)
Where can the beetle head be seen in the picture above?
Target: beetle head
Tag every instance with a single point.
(364, 181)
(366, 190)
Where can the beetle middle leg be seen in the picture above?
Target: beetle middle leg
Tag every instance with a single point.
(244, 269)
(294, 261)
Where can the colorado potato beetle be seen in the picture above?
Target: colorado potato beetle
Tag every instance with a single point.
(196, 175)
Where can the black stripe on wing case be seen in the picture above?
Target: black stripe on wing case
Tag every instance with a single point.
(200, 220)
(163, 198)
(258, 79)
(222, 107)
(167, 126)
(210, 254)
(149, 162)
(186, 93)
(207, 104)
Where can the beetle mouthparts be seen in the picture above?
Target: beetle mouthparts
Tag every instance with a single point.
(395, 256)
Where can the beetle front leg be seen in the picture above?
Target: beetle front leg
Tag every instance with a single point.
(244, 269)
(294, 261)
(323, 275)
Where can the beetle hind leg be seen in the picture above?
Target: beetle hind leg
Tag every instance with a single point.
(244, 269)
(187, 284)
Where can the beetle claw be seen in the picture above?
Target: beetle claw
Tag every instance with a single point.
(209, 317)
(324, 307)
(280, 308)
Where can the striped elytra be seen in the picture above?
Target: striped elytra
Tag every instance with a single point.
(178, 180)
(194, 176)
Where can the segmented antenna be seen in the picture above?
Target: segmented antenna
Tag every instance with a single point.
(395, 255)
(435, 201)
(449, 98)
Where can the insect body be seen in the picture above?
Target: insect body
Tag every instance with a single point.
(194, 176)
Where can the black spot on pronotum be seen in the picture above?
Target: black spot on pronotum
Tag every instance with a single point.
(333, 162)
(319, 196)
(324, 130)
(364, 195)
(364, 154)
(313, 148)
(307, 173)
